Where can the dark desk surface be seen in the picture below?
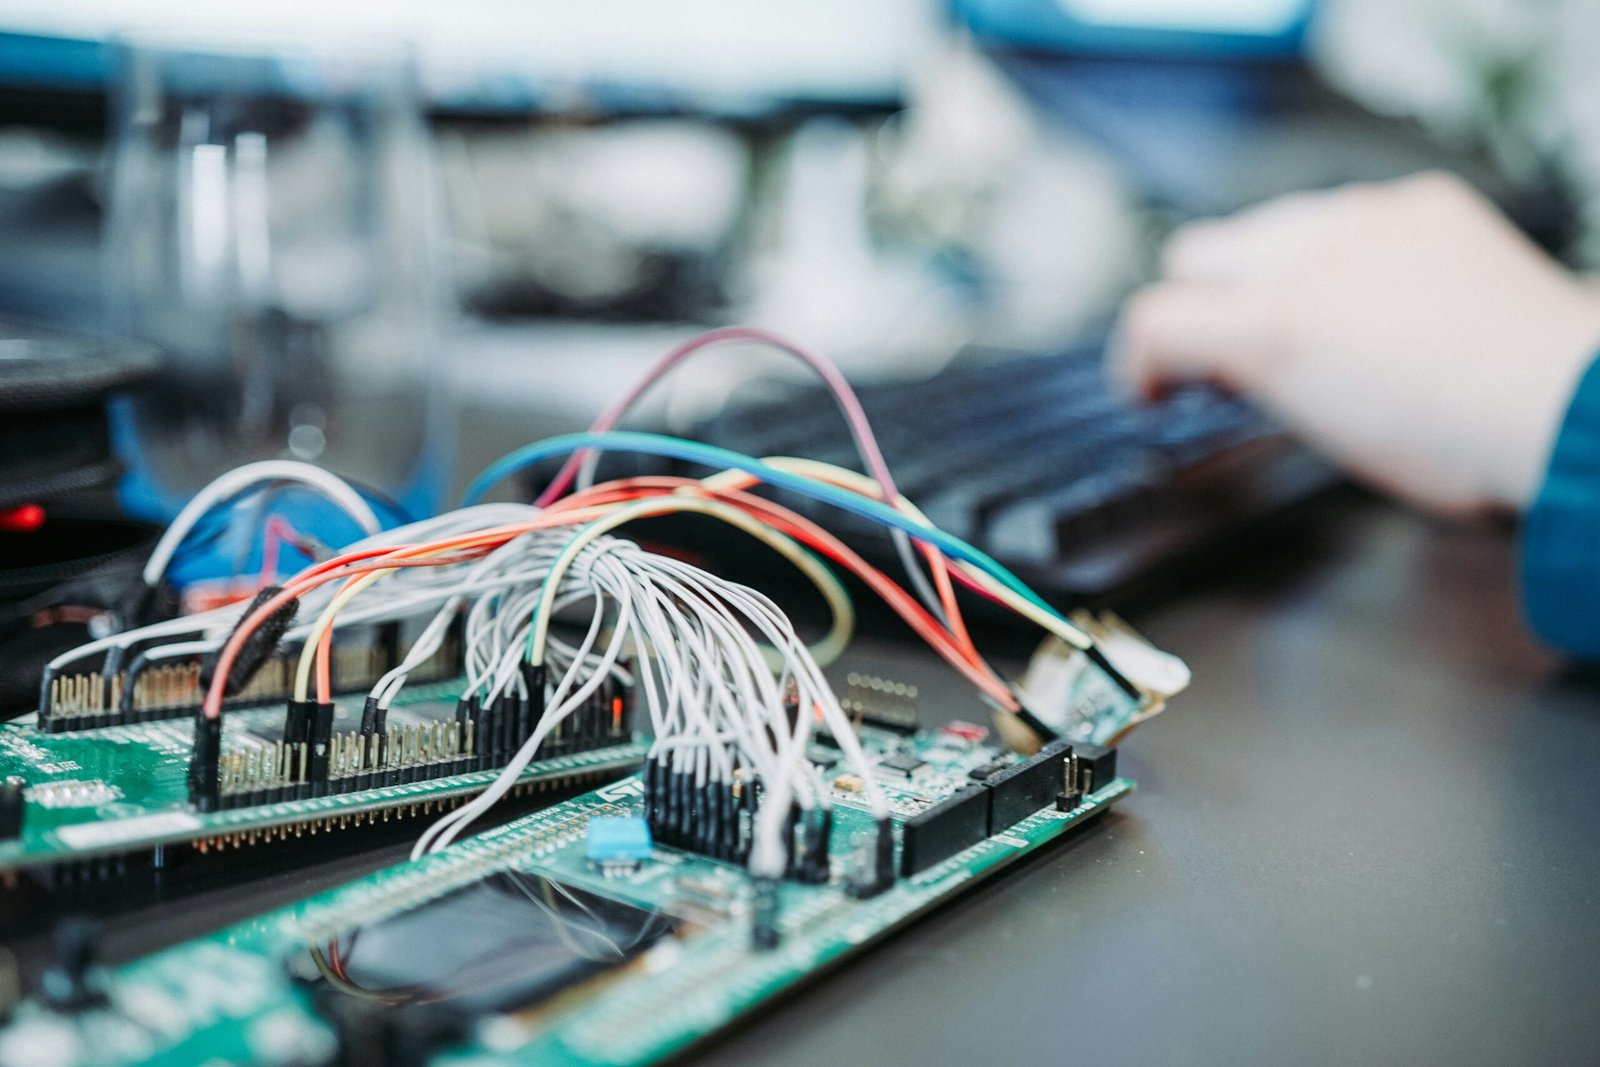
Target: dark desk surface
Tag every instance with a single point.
(1370, 832)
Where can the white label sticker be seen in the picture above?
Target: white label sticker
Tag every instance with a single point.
(119, 831)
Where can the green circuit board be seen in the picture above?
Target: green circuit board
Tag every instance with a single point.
(601, 965)
(123, 789)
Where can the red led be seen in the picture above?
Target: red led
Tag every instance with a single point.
(24, 518)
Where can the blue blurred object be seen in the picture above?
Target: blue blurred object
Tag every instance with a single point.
(37, 60)
(231, 541)
(618, 840)
(1150, 28)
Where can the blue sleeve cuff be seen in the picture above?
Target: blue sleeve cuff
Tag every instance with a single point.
(1561, 535)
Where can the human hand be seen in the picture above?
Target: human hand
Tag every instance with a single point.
(1406, 328)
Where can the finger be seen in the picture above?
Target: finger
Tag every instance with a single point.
(1253, 244)
(1179, 331)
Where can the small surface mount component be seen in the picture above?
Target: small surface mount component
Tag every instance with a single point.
(824, 757)
(617, 844)
(902, 764)
(988, 768)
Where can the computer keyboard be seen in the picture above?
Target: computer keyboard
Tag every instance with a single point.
(1037, 461)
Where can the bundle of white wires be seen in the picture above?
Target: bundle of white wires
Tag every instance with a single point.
(699, 648)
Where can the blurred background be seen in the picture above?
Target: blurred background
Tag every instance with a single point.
(396, 239)
(891, 180)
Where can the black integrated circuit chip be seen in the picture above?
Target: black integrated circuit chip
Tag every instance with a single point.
(825, 756)
(984, 771)
(902, 764)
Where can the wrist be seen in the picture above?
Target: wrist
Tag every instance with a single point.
(1537, 407)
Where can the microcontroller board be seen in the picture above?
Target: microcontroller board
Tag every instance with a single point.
(566, 937)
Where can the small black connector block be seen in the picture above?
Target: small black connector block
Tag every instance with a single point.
(13, 803)
(482, 757)
(883, 868)
(466, 730)
(983, 772)
(879, 873)
(297, 722)
(764, 913)
(814, 868)
(934, 834)
(533, 705)
(321, 746)
(1071, 794)
(1097, 766)
(205, 764)
(492, 730)
(1017, 791)
(50, 724)
(369, 717)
